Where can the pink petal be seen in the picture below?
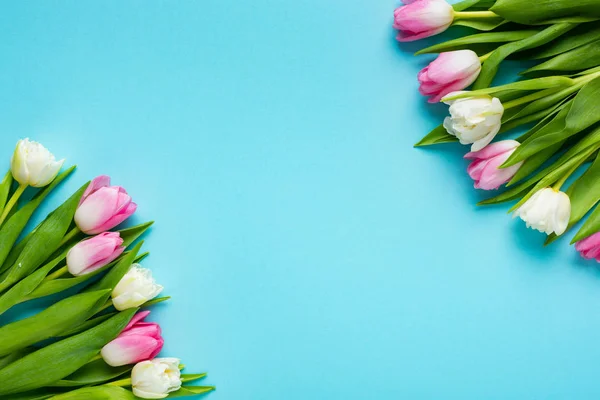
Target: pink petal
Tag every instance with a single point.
(475, 169)
(140, 316)
(407, 36)
(493, 177)
(453, 87)
(493, 150)
(95, 184)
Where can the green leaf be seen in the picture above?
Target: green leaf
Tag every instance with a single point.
(13, 227)
(528, 13)
(192, 377)
(186, 391)
(19, 291)
(61, 359)
(437, 136)
(569, 121)
(45, 241)
(582, 35)
(155, 301)
(57, 318)
(578, 59)
(465, 4)
(491, 65)
(93, 373)
(14, 356)
(89, 324)
(547, 102)
(486, 24)
(5, 186)
(104, 392)
(548, 82)
(533, 163)
(110, 280)
(590, 226)
(467, 42)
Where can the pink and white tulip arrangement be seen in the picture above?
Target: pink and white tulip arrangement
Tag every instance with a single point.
(100, 331)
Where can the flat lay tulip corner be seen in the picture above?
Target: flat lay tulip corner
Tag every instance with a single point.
(550, 115)
(94, 342)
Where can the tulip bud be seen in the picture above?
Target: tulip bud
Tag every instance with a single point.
(102, 207)
(485, 169)
(422, 18)
(589, 248)
(474, 120)
(449, 72)
(139, 341)
(155, 379)
(135, 288)
(548, 211)
(94, 253)
(33, 165)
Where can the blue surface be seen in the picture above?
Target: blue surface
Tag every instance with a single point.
(312, 253)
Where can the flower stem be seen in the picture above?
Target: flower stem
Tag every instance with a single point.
(96, 358)
(485, 56)
(12, 202)
(57, 274)
(529, 98)
(121, 383)
(70, 235)
(474, 14)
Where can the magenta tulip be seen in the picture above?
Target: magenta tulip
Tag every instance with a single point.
(485, 169)
(589, 247)
(139, 341)
(103, 207)
(422, 18)
(450, 72)
(91, 254)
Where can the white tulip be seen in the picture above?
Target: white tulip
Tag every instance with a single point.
(474, 120)
(135, 288)
(548, 211)
(33, 165)
(155, 379)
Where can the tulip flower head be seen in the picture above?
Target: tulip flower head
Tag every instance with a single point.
(155, 379)
(449, 72)
(548, 211)
(485, 168)
(33, 165)
(91, 254)
(139, 341)
(422, 18)
(135, 288)
(103, 207)
(589, 248)
(474, 120)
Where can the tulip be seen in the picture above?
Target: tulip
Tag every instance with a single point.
(102, 207)
(449, 72)
(91, 254)
(474, 120)
(33, 165)
(139, 341)
(589, 247)
(548, 211)
(135, 288)
(422, 18)
(155, 379)
(485, 169)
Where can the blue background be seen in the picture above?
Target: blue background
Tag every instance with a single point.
(310, 250)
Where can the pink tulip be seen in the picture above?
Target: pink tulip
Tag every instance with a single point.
(94, 253)
(589, 247)
(422, 18)
(139, 341)
(103, 207)
(450, 72)
(485, 169)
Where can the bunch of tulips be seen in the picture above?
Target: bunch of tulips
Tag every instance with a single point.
(96, 342)
(551, 166)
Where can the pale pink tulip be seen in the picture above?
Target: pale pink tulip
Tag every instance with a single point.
(139, 341)
(422, 18)
(485, 169)
(589, 247)
(94, 253)
(103, 207)
(450, 72)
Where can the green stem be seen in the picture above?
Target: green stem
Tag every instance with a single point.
(570, 172)
(11, 203)
(57, 274)
(474, 14)
(485, 56)
(96, 358)
(121, 383)
(70, 235)
(106, 305)
(529, 98)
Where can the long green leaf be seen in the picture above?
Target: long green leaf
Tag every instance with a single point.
(531, 164)
(582, 35)
(65, 357)
(61, 316)
(13, 227)
(19, 291)
(467, 42)
(186, 391)
(437, 136)
(93, 373)
(97, 393)
(590, 226)
(548, 82)
(487, 24)
(578, 59)
(5, 186)
(541, 11)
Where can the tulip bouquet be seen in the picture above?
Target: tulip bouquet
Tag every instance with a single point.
(552, 107)
(95, 342)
